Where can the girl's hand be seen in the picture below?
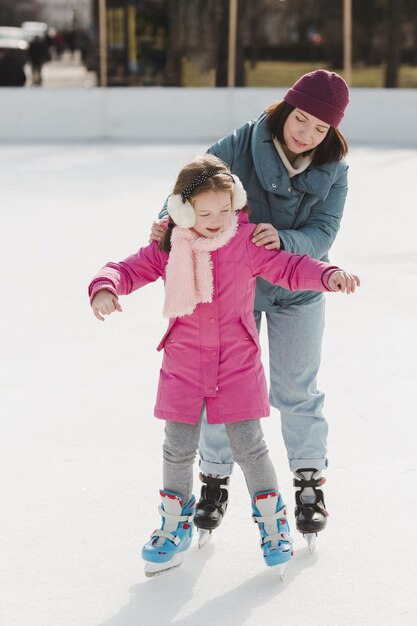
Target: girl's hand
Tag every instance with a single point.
(343, 281)
(157, 231)
(266, 235)
(104, 303)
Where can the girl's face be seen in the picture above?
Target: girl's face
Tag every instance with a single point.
(213, 210)
(303, 132)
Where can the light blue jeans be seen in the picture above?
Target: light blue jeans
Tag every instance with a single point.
(294, 335)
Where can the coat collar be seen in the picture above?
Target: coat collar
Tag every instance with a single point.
(272, 174)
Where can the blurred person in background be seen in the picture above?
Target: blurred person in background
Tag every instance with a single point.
(59, 43)
(83, 44)
(50, 43)
(70, 41)
(38, 55)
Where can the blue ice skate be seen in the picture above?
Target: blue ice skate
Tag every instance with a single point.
(164, 550)
(269, 512)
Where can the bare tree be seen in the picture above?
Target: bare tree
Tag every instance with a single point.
(411, 17)
(395, 9)
(368, 17)
(196, 33)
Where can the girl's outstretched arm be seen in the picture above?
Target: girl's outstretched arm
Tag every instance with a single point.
(298, 272)
(137, 270)
(105, 303)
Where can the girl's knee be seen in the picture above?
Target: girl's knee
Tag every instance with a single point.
(177, 454)
(247, 443)
(181, 442)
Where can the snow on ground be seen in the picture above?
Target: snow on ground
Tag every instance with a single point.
(80, 451)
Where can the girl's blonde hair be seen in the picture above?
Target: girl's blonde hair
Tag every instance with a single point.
(221, 181)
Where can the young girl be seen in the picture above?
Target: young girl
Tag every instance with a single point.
(212, 362)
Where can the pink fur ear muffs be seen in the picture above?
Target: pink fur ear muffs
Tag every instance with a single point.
(183, 214)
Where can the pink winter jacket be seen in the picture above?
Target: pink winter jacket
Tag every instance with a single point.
(213, 355)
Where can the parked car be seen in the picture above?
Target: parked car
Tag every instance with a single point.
(13, 55)
(34, 29)
(13, 39)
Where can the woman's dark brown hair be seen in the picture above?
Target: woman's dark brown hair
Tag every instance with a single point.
(219, 182)
(332, 148)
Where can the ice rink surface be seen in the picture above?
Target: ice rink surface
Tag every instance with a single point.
(81, 453)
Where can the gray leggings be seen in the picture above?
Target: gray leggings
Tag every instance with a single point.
(248, 447)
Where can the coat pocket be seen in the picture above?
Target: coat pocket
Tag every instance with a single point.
(252, 332)
(171, 325)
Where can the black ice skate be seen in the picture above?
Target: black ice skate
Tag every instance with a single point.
(211, 506)
(310, 512)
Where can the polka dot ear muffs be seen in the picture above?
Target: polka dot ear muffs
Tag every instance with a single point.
(181, 211)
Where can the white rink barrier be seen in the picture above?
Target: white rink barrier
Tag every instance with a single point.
(182, 115)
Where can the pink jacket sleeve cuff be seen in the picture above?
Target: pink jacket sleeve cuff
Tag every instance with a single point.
(326, 276)
(98, 285)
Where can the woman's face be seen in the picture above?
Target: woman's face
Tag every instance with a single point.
(213, 211)
(303, 132)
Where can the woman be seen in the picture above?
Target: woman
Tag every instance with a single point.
(291, 162)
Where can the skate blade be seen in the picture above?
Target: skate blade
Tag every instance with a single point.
(203, 537)
(282, 570)
(311, 541)
(156, 569)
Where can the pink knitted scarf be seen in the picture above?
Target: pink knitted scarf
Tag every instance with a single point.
(189, 272)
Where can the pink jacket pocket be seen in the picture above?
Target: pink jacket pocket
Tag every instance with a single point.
(171, 324)
(253, 333)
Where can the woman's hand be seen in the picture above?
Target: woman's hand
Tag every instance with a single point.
(266, 235)
(157, 231)
(343, 281)
(105, 303)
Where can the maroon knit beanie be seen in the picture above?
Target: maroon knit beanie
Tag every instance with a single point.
(322, 94)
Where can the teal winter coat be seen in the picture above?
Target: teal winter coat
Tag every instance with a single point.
(306, 209)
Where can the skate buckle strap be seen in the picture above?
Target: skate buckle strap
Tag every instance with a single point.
(309, 483)
(315, 506)
(175, 518)
(162, 533)
(277, 537)
(266, 519)
(223, 481)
